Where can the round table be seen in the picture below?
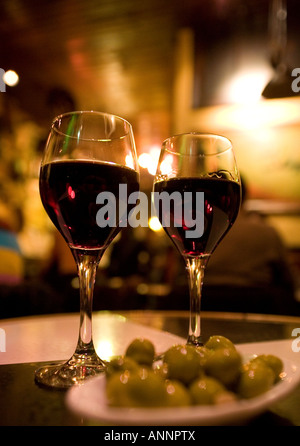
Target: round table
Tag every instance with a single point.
(27, 342)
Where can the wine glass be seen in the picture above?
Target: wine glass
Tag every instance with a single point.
(197, 199)
(88, 171)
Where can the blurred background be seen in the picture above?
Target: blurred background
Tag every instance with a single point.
(171, 66)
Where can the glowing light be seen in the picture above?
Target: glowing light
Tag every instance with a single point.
(129, 161)
(262, 114)
(105, 349)
(246, 86)
(144, 160)
(71, 193)
(11, 78)
(166, 165)
(154, 224)
(149, 160)
(241, 117)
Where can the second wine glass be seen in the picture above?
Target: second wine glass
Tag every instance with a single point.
(88, 171)
(197, 199)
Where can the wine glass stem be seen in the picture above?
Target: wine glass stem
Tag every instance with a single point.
(87, 264)
(195, 268)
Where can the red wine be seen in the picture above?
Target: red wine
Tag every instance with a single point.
(69, 190)
(221, 206)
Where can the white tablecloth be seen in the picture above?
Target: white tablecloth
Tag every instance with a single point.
(51, 338)
(54, 337)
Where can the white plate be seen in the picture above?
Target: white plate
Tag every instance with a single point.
(89, 401)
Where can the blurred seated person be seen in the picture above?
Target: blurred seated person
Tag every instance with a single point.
(20, 295)
(249, 270)
(60, 101)
(11, 258)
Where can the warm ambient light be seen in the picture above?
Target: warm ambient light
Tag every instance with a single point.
(149, 160)
(154, 224)
(166, 165)
(129, 161)
(11, 78)
(264, 114)
(245, 117)
(246, 86)
(105, 349)
(144, 160)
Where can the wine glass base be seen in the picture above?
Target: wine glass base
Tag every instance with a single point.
(195, 340)
(68, 374)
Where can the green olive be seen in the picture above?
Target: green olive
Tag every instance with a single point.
(161, 368)
(177, 395)
(141, 388)
(183, 363)
(224, 365)
(255, 379)
(205, 389)
(120, 364)
(146, 389)
(210, 374)
(204, 354)
(273, 362)
(141, 350)
(218, 341)
(116, 390)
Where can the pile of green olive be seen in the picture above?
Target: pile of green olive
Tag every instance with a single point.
(187, 375)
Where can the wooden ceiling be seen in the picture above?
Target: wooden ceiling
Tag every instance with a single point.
(111, 55)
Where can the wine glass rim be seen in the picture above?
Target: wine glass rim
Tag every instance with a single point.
(92, 112)
(204, 136)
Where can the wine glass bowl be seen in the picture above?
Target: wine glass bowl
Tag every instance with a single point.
(88, 170)
(198, 198)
